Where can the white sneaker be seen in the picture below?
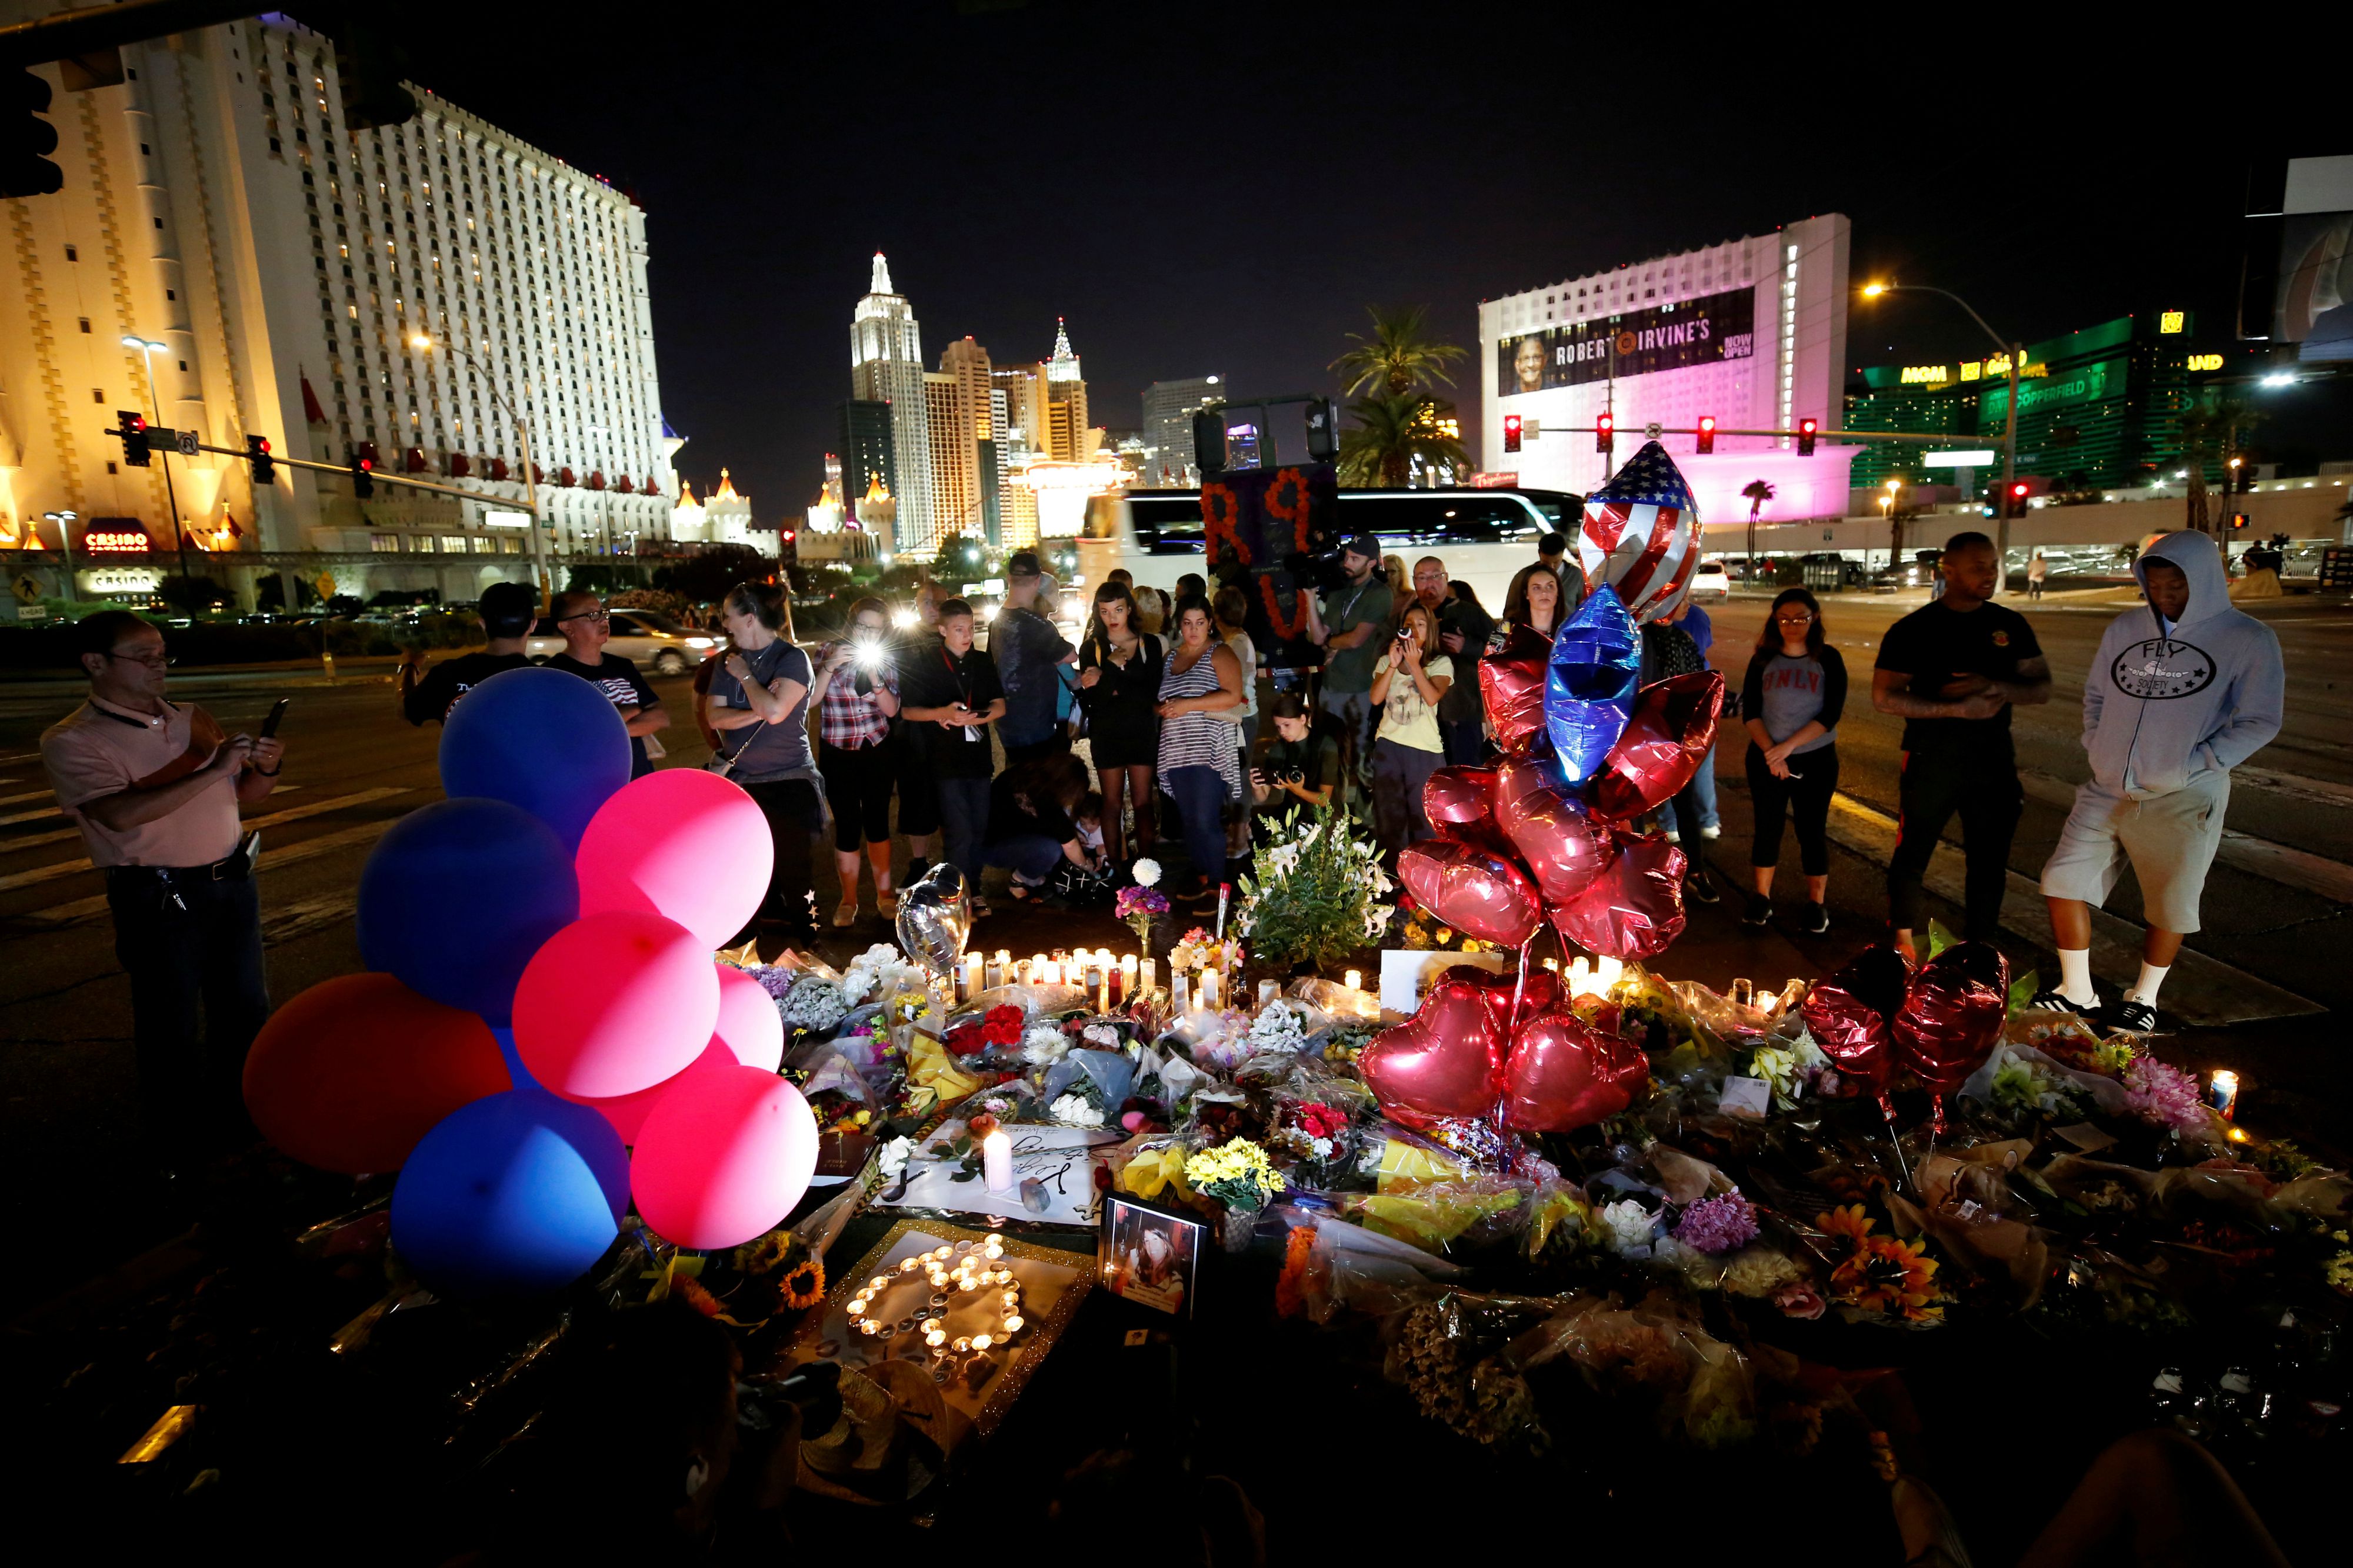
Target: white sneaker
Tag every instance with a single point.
(1711, 831)
(1673, 837)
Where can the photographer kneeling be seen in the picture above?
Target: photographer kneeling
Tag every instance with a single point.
(1295, 766)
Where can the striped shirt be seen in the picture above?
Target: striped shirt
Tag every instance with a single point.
(1197, 740)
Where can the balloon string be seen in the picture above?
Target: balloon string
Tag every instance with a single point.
(1888, 1111)
(1520, 989)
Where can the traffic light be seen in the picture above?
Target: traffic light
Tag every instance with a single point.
(1210, 441)
(362, 484)
(2018, 498)
(1605, 432)
(2237, 520)
(1323, 430)
(1706, 434)
(256, 452)
(2242, 476)
(25, 138)
(1806, 429)
(1511, 432)
(132, 430)
(787, 549)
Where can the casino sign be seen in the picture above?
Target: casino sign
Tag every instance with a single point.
(116, 536)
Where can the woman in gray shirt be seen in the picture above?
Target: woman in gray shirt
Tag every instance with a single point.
(1790, 701)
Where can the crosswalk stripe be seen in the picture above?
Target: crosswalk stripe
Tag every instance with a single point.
(303, 916)
(293, 813)
(74, 912)
(50, 811)
(2274, 862)
(2206, 991)
(20, 799)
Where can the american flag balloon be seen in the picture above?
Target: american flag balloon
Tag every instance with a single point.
(1640, 534)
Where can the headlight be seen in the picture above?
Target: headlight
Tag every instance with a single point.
(703, 642)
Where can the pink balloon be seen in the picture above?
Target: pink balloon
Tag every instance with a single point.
(680, 843)
(723, 1157)
(615, 1003)
(627, 1113)
(749, 1025)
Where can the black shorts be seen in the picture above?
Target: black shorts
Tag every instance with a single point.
(919, 802)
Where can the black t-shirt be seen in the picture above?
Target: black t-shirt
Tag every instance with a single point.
(618, 679)
(1933, 644)
(1317, 758)
(1012, 816)
(433, 697)
(937, 678)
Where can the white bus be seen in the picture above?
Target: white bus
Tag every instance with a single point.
(1484, 536)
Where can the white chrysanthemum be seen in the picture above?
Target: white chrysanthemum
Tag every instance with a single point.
(1146, 873)
(1077, 1110)
(1043, 1045)
(1626, 1224)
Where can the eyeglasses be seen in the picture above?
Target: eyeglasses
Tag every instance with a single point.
(598, 616)
(151, 660)
(1798, 618)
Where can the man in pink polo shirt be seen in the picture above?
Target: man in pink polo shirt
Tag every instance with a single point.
(154, 787)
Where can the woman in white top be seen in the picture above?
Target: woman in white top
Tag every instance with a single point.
(1408, 747)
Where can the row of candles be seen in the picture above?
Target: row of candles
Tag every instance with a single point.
(1112, 981)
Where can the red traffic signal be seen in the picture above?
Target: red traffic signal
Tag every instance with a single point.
(256, 451)
(1806, 429)
(2237, 520)
(1706, 434)
(132, 430)
(1511, 432)
(1605, 432)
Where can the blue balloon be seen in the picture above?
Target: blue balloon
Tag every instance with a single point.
(518, 1193)
(1590, 683)
(520, 1074)
(459, 895)
(547, 741)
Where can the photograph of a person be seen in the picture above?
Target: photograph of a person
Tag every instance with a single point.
(1149, 1255)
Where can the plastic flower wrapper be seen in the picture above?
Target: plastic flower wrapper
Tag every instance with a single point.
(1559, 1221)
(1452, 1353)
(1346, 1268)
(1446, 1217)
(1213, 1041)
(1107, 1077)
(1151, 1167)
(822, 1067)
(1653, 1357)
(1038, 1004)
(1338, 1003)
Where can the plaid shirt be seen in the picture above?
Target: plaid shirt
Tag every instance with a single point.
(849, 721)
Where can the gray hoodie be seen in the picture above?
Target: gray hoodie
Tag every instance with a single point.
(2163, 704)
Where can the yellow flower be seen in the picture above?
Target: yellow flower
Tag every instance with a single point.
(1157, 1170)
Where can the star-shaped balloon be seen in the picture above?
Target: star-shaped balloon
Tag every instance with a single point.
(1590, 683)
(1641, 534)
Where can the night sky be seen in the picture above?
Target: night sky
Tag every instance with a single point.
(1222, 189)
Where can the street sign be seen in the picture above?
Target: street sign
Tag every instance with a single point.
(1978, 457)
(186, 442)
(493, 518)
(29, 589)
(326, 586)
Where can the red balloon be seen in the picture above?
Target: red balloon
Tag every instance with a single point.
(1953, 1015)
(1849, 1014)
(1472, 890)
(680, 843)
(1635, 909)
(1663, 745)
(1441, 1064)
(749, 1025)
(615, 1003)
(1512, 680)
(723, 1158)
(1563, 1074)
(1461, 805)
(350, 1074)
(1565, 848)
(1543, 993)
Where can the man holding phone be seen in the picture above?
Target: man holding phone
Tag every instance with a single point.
(155, 788)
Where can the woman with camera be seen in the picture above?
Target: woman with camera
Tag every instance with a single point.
(1119, 686)
(1297, 767)
(1408, 683)
(856, 695)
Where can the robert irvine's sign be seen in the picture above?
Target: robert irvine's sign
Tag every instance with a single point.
(1705, 331)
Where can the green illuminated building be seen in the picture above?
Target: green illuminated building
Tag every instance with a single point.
(2098, 409)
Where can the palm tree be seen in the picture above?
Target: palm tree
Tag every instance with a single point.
(1399, 355)
(1758, 492)
(1389, 434)
(2210, 434)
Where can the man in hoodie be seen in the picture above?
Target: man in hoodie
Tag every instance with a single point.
(2181, 692)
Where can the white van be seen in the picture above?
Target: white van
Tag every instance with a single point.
(1484, 536)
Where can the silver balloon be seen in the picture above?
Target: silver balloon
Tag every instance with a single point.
(935, 918)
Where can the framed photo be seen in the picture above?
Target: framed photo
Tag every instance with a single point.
(1150, 1256)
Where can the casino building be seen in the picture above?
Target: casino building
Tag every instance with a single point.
(1751, 332)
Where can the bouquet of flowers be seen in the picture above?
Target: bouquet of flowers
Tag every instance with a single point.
(815, 1005)
(1139, 904)
(1197, 950)
(1001, 1026)
(1317, 892)
(1237, 1173)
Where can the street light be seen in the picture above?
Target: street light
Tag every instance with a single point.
(148, 348)
(64, 522)
(2016, 355)
(523, 437)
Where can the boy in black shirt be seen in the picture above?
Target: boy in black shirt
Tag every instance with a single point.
(1951, 670)
(507, 611)
(949, 695)
(580, 618)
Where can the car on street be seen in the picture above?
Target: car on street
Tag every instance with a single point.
(1710, 581)
(648, 639)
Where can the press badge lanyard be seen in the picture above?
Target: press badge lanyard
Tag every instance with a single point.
(964, 690)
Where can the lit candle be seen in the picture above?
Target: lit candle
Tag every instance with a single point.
(997, 1160)
(993, 972)
(971, 974)
(1148, 976)
(1127, 967)
(1117, 984)
(1606, 974)
(1553, 964)
(1267, 992)
(1580, 977)
(2222, 1092)
(1209, 988)
(1050, 973)
(1354, 980)
(1180, 992)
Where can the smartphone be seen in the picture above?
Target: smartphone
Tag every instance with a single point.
(276, 712)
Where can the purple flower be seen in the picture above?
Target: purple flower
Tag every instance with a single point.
(2163, 1095)
(1718, 1224)
(777, 983)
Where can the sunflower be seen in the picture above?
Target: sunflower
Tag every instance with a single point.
(804, 1285)
(1885, 1275)
(1850, 1223)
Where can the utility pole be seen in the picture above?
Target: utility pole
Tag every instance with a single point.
(2009, 464)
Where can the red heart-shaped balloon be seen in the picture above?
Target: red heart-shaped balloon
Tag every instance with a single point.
(1663, 745)
(1543, 992)
(1441, 1064)
(1475, 892)
(1461, 805)
(1512, 682)
(1635, 910)
(1562, 1074)
(1952, 1017)
(1848, 1016)
(1564, 846)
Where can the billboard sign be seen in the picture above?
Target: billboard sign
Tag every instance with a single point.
(2082, 383)
(1706, 330)
(2315, 303)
